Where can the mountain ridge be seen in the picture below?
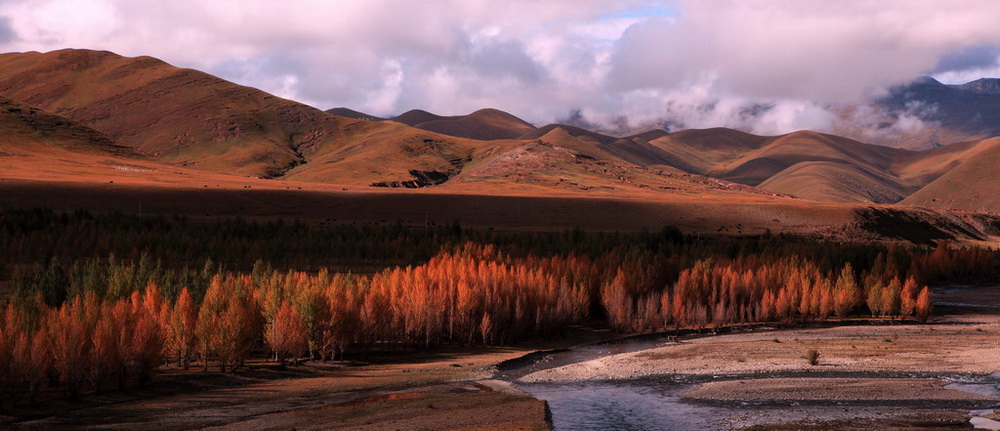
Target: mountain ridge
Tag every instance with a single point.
(193, 119)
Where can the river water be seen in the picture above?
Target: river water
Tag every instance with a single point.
(653, 403)
(629, 405)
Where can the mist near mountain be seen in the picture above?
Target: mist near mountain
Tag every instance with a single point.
(924, 113)
(764, 67)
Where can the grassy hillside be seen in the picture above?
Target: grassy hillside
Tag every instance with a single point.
(971, 184)
(833, 181)
(26, 129)
(179, 115)
(484, 124)
(199, 127)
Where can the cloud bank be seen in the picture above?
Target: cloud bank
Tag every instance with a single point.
(763, 66)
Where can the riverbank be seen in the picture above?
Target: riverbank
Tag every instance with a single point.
(444, 389)
(886, 375)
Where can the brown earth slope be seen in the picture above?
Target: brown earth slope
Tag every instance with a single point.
(179, 115)
(484, 125)
(199, 121)
(192, 119)
(350, 113)
(25, 129)
(805, 164)
(185, 116)
(972, 182)
(36, 145)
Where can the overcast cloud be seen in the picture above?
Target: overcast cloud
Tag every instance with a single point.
(694, 63)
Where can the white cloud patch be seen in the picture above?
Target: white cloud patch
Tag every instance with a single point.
(763, 66)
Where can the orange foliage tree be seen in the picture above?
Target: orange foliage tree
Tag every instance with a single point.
(924, 305)
(287, 335)
(181, 328)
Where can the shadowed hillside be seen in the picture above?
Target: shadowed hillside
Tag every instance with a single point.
(199, 121)
(179, 115)
(580, 133)
(193, 119)
(25, 129)
(483, 125)
(805, 164)
(145, 110)
(350, 113)
(39, 146)
(972, 108)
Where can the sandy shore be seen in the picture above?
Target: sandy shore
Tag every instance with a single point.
(849, 390)
(965, 343)
(871, 376)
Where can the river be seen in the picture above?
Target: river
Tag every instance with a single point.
(653, 402)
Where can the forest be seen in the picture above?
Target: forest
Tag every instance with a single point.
(101, 302)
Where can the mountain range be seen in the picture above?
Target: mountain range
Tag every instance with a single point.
(803, 164)
(74, 114)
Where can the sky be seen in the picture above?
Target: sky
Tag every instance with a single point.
(693, 63)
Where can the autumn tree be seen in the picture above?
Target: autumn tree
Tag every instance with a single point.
(182, 327)
(71, 345)
(145, 353)
(210, 320)
(617, 302)
(287, 335)
(924, 305)
(32, 361)
(311, 304)
(229, 322)
(908, 297)
(106, 358)
(847, 293)
(890, 301)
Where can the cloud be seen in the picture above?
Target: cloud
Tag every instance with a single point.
(7, 34)
(763, 66)
(973, 57)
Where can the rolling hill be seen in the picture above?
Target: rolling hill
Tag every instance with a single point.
(30, 130)
(192, 119)
(99, 118)
(813, 166)
(196, 120)
(804, 164)
(40, 146)
(969, 183)
(350, 113)
(181, 116)
(833, 181)
(483, 125)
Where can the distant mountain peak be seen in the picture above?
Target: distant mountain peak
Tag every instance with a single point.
(982, 85)
(486, 124)
(414, 117)
(350, 113)
(926, 80)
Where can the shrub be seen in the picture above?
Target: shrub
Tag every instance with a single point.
(812, 357)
